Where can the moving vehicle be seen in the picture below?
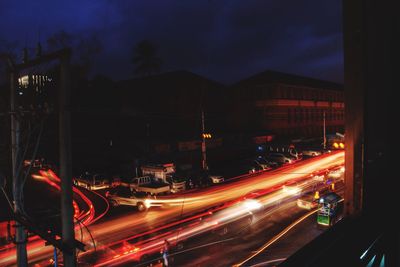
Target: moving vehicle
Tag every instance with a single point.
(258, 193)
(329, 208)
(337, 172)
(307, 201)
(149, 185)
(92, 181)
(292, 189)
(146, 246)
(320, 176)
(122, 195)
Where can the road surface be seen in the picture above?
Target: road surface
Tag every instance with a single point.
(111, 230)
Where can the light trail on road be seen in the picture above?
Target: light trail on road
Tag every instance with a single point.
(221, 194)
(230, 212)
(275, 238)
(83, 215)
(196, 201)
(116, 230)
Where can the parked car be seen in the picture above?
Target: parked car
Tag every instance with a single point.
(197, 178)
(263, 165)
(216, 179)
(122, 195)
(116, 181)
(253, 168)
(37, 163)
(92, 181)
(177, 183)
(249, 166)
(279, 158)
(311, 152)
(293, 154)
(266, 163)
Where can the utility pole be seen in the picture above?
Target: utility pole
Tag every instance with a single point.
(20, 233)
(203, 143)
(68, 243)
(324, 125)
(67, 215)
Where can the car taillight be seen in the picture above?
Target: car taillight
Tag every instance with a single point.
(107, 193)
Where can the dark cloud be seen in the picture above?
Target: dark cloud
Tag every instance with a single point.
(224, 40)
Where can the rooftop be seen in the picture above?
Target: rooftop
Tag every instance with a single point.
(269, 76)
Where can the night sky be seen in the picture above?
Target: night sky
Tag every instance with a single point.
(224, 40)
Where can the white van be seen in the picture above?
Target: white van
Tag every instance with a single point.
(149, 185)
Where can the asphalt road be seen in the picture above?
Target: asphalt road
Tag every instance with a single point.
(119, 228)
(218, 251)
(299, 236)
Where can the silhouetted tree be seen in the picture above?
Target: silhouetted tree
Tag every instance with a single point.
(145, 59)
(9, 48)
(8, 51)
(59, 40)
(85, 48)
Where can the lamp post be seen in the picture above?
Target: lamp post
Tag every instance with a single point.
(203, 143)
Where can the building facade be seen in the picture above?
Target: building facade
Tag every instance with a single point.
(288, 105)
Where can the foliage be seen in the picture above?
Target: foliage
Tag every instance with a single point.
(145, 59)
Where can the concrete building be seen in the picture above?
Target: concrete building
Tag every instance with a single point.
(285, 104)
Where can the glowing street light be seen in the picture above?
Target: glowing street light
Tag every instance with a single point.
(206, 135)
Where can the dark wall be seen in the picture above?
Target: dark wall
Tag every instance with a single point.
(381, 83)
(371, 81)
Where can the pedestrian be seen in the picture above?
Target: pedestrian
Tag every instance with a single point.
(165, 251)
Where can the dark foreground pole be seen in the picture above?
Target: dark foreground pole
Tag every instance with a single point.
(68, 232)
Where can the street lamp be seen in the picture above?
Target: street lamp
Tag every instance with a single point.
(203, 143)
(206, 136)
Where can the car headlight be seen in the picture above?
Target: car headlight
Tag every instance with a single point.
(252, 204)
(147, 203)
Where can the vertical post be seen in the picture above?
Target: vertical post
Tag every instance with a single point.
(148, 138)
(20, 234)
(324, 132)
(55, 257)
(354, 78)
(68, 233)
(203, 143)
